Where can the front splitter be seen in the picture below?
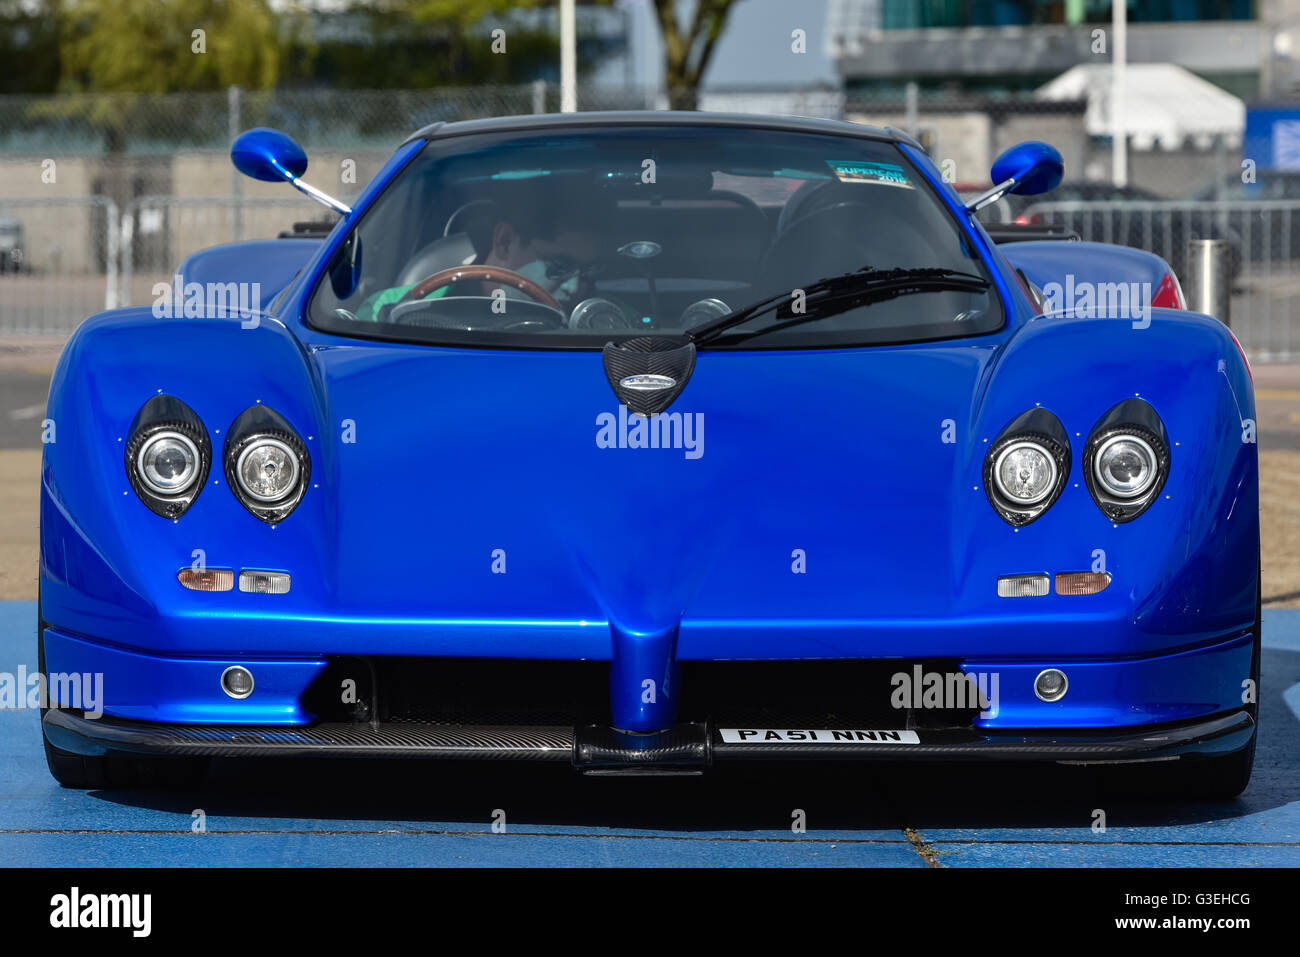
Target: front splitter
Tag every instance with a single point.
(687, 747)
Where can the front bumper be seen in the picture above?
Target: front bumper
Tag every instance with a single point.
(1182, 685)
(685, 748)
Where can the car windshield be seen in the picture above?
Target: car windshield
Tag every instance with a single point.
(573, 238)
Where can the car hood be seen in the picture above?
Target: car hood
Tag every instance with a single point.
(511, 483)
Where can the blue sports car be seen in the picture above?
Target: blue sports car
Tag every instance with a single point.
(646, 442)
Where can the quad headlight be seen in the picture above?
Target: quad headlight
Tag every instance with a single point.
(267, 470)
(167, 455)
(1125, 465)
(1126, 460)
(267, 465)
(168, 463)
(1026, 466)
(1025, 473)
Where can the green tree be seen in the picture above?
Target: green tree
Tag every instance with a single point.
(118, 58)
(164, 46)
(29, 48)
(688, 45)
(423, 44)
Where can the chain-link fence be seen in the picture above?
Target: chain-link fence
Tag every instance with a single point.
(141, 132)
(1263, 254)
(158, 232)
(60, 262)
(68, 164)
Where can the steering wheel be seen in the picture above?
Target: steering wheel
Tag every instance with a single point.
(499, 274)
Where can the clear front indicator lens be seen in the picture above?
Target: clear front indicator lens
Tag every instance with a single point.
(209, 579)
(267, 470)
(1125, 465)
(1023, 586)
(168, 463)
(1081, 583)
(1025, 473)
(264, 583)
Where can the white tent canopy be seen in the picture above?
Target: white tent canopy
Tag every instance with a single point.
(1167, 106)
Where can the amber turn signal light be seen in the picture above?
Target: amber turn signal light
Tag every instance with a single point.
(207, 579)
(1081, 583)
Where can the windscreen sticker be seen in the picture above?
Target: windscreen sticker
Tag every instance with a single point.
(858, 171)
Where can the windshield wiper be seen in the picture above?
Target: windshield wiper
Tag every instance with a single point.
(838, 294)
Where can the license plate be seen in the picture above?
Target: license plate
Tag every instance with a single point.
(818, 736)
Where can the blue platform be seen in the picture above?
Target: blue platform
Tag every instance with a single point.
(385, 813)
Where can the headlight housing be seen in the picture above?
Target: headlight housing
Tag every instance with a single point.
(266, 463)
(1024, 472)
(1126, 460)
(1026, 466)
(167, 455)
(267, 470)
(168, 463)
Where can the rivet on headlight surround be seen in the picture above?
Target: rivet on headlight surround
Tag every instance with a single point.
(1036, 427)
(261, 425)
(160, 416)
(1135, 418)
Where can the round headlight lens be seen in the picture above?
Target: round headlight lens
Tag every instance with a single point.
(1125, 465)
(168, 463)
(1025, 473)
(267, 470)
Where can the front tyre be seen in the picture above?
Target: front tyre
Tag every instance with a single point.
(122, 771)
(1218, 778)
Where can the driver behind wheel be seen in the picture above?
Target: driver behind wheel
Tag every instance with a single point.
(551, 237)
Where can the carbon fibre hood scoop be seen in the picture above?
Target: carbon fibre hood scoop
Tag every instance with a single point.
(648, 373)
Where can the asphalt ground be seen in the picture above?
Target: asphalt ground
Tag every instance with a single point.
(358, 813)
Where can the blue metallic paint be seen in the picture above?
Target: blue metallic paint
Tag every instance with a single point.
(646, 557)
(271, 263)
(1052, 261)
(1035, 166)
(268, 155)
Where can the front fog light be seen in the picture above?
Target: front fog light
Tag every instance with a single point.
(168, 463)
(237, 682)
(267, 470)
(1051, 685)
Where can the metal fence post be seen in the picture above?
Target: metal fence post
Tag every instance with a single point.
(236, 186)
(128, 250)
(1210, 288)
(539, 96)
(111, 250)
